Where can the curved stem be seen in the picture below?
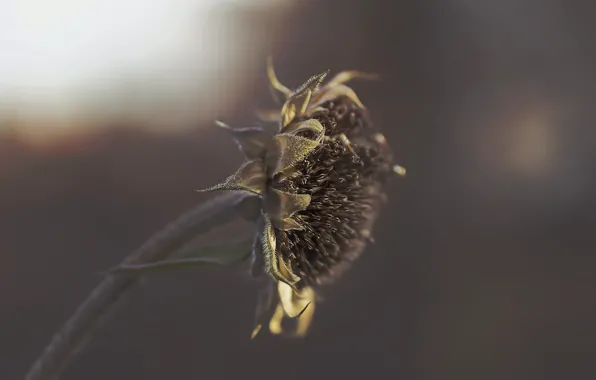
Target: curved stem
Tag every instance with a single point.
(71, 338)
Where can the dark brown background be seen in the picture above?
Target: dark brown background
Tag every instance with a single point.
(484, 261)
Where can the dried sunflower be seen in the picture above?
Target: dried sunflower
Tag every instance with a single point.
(316, 182)
(319, 176)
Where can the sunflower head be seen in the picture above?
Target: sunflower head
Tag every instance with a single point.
(319, 174)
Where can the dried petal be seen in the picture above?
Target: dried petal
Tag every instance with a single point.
(346, 76)
(276, 320)
(305, 319)
(292, 305)
(292, 301)
(288, 113)
(250, 177)
(334, 93)
(275, 83)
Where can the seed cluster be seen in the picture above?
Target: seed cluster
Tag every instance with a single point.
(345, 188)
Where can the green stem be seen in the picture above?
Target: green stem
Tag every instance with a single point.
(77, 331)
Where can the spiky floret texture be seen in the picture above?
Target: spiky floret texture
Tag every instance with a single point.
(346, 189)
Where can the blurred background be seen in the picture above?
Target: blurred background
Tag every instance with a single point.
(484, 262)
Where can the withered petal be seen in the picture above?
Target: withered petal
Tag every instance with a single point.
(252, 141)
(276, 320)
(334, 93)
(288, 113)
(293, 302)
(305, 318)
(281, 206)
(249, 177)
(291, 149)
(275, 83)
(347, 75)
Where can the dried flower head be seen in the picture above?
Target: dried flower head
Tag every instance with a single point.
(319, 176)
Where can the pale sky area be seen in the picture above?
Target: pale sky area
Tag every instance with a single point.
(60, 58)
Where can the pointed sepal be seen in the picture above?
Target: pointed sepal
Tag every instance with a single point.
(281, 207)
(298, 102)
(311, 84)
(291, 149)
(249, 177)
(252, 141)
(274, 264)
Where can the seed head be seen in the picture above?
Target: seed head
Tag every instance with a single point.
(320, 177)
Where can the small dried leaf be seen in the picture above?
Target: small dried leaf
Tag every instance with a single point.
(249, 177)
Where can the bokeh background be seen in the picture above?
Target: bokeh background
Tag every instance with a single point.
(484, 262)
